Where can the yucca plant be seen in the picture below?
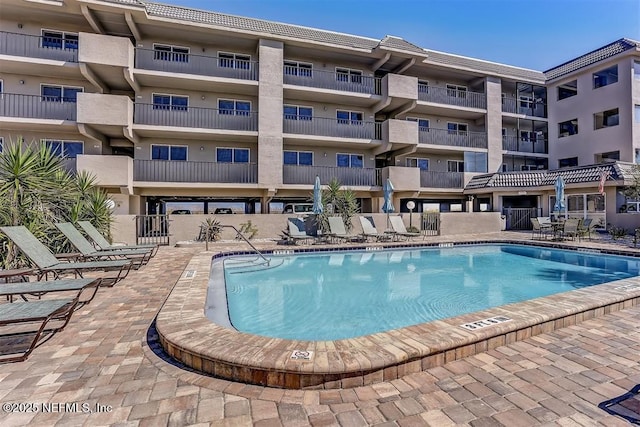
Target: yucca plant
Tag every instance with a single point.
(338, 201)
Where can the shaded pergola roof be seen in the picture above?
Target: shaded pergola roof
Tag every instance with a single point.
(617, 171)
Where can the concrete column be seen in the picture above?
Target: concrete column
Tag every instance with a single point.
(494, 123)
(270, 98)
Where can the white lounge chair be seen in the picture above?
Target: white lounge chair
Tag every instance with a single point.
(399, 229)
(369, 230)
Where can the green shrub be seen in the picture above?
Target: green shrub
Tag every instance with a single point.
(617, 232)
(248, 230)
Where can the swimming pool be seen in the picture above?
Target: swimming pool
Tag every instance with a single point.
(329, 296)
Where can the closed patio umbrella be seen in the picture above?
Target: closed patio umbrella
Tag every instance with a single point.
(317, 197)
(559, 206)
(388, 193)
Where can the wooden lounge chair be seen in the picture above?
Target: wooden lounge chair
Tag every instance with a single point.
(138, 257)
(399, 229)
(47, 263)
(104, 244)
(25, 289)
(369, 230)
(297, 231)
(337, 230)
(27, 322)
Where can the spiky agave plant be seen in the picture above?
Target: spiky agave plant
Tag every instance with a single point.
(338, 201)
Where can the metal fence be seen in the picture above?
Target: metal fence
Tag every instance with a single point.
(152, 229)
(430, 224)
(339, 128)
(189, 171)
(441, 179)
(514, 143)
(37, 47)
(460, 98)
(194, 117)
(520, 218)
(36, 107)
(202, 65)
(331, 80)
(454, 138)
(294, 174)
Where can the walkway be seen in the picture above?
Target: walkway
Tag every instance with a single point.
(102, 357)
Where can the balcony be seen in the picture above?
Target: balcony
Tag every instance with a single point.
(527, 107)
(187, 63)
(35, 107)
(513, 143)
(203, 172)
(194, 117)
(38, 47)
(294, 174)
(331, 80)
(441, 179)
(337, 128)
(459, 98)
(452, 138)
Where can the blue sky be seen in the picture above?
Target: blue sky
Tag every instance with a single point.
(536, 34)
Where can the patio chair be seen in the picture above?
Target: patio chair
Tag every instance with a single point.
(47, 263)
(570, 228)
(297, 231)
(28, 322)
(104, 244)
(585, 228)
(399, 229)
(337, 230)
(138, 257)
(37, 289)
(540, 229)
(369, 230)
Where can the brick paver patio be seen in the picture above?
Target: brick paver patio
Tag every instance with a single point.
(108, 356)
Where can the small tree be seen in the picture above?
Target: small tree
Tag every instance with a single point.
(338, 201)
(632, 191)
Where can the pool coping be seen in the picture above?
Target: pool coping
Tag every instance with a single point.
(187, 335)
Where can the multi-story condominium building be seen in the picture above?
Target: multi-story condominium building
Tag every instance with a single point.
(171, 106)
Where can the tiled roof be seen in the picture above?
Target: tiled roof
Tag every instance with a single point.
(597, 55)
(574, 175)
(131, 2)
(397, 43)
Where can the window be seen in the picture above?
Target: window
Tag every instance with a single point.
(417, 162)
(568, 162)
(636, 69)
(59, 40)
(456, 91)
(474, 162)
(295, 68)
(568, 90)
(170, 102)
(605, 77)
(570, 127)
(349, 117)
(423, 86)
(606, 119)
(1, 143)
(296, 112)
(232, 155)
(610, 156)
(169, 152)
(348, 75)
(53, 93)
(233, 107)
(66, 149)
(163, 52)
(637, 156)
(637, 113)
(298, 158)
(455, 166)
(457, 128)
(234, 60)
(423, 124)
(350, 160)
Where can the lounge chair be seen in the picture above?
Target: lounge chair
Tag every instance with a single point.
(399, 229)
(47, 263)
(138, 257)
(570, 229)
(27, 322)
(337, 230)
(369, 230)
(540, 229)
(585, 228)
(24, 289)
(103, 244)
(297, 231)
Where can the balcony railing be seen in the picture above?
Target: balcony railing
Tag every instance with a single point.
(294, 174)
(441, 179)
(460, 98)
(181, 171)
(195, 117)
(338, 128)
(513, 143)
(188, 63)
(35, 107)
(69, 164)
(38, 47)
(529, 108)
(453, 138)
(332, 80)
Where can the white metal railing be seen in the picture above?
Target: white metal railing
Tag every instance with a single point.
(331, 80)
(38, 47)
(461, 98)
(194, 117)
(454, 138)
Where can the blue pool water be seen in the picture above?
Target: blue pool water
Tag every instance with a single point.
(328, 296)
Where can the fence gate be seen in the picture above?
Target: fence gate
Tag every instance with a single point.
(520, 218)
(152, 229)
(430, 224)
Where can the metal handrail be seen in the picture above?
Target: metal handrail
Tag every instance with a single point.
(239, 234)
